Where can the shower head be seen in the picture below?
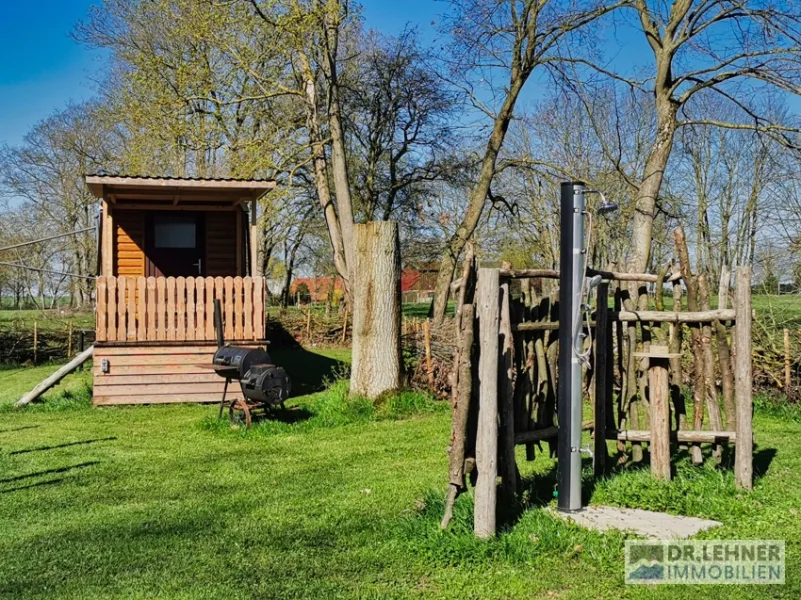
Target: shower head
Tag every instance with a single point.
(607, 207)
(594, 282)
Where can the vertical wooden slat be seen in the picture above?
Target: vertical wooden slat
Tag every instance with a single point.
(102, 318)
(170, 308)
(743, 462)
(180, 313)
(210, 333)
(122, 288)
(130, 311)
(487, 433)
(190, 308)
(200, 309)
(248, 333)
(228, 307)
(141, 309)
(161, 308)
(238, 316)
(111, 309)
(259, 321)
(151, 309)
(219, 294)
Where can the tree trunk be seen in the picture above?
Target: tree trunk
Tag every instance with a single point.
(653, 175)
(376, 309)
(477, 198)
(339, 161)
(320, 162)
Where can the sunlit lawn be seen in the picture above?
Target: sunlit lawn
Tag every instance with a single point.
(339, 502)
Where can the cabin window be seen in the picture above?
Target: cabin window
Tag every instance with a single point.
(174, 231)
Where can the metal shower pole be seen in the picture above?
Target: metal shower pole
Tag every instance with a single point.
(572, 265)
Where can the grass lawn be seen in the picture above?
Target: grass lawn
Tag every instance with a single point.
(340, 501)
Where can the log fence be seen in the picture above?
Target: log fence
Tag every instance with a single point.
(508, 378)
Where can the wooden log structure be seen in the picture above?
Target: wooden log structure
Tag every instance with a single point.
(686, 436)
(487, 300)
(744, 456)
(637, 359)
(607, 275)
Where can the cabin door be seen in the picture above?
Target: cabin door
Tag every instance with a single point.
(175, 244)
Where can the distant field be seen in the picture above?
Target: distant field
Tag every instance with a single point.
(785, 309)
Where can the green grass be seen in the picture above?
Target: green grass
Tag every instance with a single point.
(342, 499)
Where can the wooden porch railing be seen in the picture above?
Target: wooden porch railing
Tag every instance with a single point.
(153, 309)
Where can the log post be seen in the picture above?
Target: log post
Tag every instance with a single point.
(724, 351)
(69, 340)
(376, 309)
(710, 383)
(506, 389)
(659, 386)
(427, 344)
(675, 346)
(35, 342)
(603, 378)
(788, 379)
(462, 385)
(487, 433)
(698, 355)
(743, 464)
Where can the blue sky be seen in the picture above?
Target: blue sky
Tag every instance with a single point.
(42, 68)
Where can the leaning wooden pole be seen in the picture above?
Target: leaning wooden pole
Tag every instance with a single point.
(743, 464)
(55, 377)
(487, 297)
(462, 383)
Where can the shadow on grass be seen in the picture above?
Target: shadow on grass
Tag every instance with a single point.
(288, 416)
(82, 465)
(309, 371)
(15, 429)
(67, 445)
(763, 457)
(32, 485)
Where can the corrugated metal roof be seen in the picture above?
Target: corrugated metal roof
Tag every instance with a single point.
(176, 179)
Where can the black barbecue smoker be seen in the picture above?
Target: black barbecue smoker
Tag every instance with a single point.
(264, 385)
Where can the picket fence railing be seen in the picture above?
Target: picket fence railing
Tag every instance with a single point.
(152, 309)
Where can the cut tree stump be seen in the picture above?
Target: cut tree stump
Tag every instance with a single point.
(376, 310)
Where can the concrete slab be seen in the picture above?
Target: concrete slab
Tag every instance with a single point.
(642, 522)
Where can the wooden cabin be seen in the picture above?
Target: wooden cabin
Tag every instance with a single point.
(167, 248)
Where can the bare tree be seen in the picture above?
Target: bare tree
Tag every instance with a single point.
(501, 44)
(736, 49)
(399, 117)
